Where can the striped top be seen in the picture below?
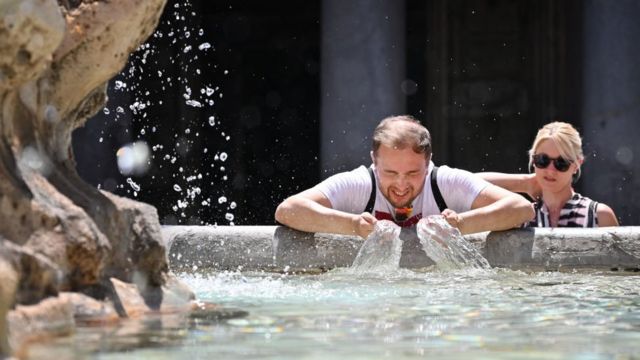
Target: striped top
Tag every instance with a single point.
(579, 211)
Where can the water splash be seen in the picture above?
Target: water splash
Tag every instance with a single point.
(177, 59)
(446, 247)
(381, 252)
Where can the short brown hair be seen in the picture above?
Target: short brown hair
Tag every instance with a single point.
(401, 132)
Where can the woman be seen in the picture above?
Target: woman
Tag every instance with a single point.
(555, 160)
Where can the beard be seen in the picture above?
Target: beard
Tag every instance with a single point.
(400, 203)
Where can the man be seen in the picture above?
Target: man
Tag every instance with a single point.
(407, 187)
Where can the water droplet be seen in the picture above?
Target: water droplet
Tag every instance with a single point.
(222, 200)
(133, 185)
(133, 158)
(193, 103)
(624, 155)
(177, 188)
(223, 156)
(228, 216)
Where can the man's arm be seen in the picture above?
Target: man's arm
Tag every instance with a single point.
(495, 209)
(520, 183)
(311, 211)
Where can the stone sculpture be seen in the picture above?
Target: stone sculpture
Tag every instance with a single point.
(58, 234)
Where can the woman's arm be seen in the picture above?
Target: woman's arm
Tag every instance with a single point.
(520, 183)
(606, 216)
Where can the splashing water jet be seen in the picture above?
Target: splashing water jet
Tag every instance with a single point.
(381, 252)
(445, 245)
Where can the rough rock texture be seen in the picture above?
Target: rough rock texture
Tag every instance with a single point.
(60, 234)
(25, 276)
(170, 298)
(8, 287)
(56, 62)
(53, 316)
(89, 311)
(37, 276)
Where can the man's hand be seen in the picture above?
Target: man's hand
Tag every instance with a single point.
(453, 218)
(364, 224)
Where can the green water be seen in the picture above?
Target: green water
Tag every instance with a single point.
(490, 314)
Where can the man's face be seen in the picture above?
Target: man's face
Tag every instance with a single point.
(401, 174)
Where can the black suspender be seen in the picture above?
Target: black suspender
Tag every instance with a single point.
(591, 214)
(372, 197)
(434, 188)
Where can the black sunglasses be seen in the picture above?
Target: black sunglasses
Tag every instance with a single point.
(542, 161)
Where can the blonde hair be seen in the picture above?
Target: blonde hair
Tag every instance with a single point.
(402, 132)
(565, 137)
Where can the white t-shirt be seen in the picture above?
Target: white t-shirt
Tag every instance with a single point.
(350, 192)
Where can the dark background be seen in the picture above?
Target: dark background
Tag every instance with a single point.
(487, 75)
(269, 109)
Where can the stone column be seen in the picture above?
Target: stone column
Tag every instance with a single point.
(363, 66)
(611, 105)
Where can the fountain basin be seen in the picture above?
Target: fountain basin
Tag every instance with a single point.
(402, 313)
(211, 248)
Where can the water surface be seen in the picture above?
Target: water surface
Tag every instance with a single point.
(404, 314)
